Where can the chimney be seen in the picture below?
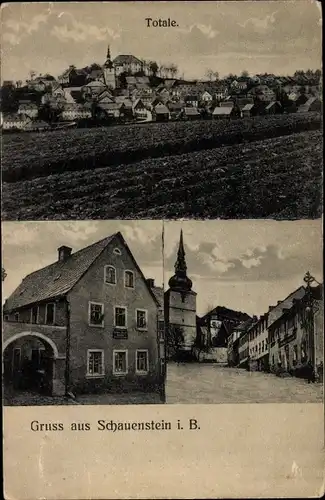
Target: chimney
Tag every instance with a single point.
(64, 253)
(271, 307)
(279, 302)
(150, 282)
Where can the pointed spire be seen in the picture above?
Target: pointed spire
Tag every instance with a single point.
(108, 57)
(180, 264)
(180, 281)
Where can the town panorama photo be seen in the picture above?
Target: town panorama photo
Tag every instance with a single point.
(111, 111)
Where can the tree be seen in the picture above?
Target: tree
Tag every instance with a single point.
(173, 70)
(175, 340)
(153, 66)
(216, 75)
(209, 74)
(32, 74)
(49, 113)
(244, 73)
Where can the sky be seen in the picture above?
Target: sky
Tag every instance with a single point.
(28, 246)
(228, 37)
(246, 265)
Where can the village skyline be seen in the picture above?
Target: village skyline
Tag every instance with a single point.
(47, 39)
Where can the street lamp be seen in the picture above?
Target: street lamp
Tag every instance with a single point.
(310, 310)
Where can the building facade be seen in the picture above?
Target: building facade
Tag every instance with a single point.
(87, 323)
(180, 303)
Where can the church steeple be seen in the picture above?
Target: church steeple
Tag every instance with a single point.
(108, 63)
(180, 281)
(108, 57)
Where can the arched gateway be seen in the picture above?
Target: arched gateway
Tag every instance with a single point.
(29, 362)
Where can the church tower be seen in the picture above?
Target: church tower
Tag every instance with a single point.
(180, 301)
(109, 72)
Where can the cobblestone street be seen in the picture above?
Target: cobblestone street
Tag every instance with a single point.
(210, 384)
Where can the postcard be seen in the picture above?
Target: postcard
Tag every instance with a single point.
(162, 273)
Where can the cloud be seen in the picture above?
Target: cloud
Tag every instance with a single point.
(81, 32)
(18, 30)
(260, 25)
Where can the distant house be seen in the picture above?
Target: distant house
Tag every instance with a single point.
(221, 93)
(128, 63)
(95, 87)
(57, 91)
(191, 100)
(263, 92)
(13, 121)
(95, 74)
(161, 113)
(222, 112)
(313, 104)
(73, 112)
(36, 126)
(191, 113)
(73, 77)
(273, 108)
(206, 97)
(30, 109)
(110, 110)
(248, 110)
(139, 109)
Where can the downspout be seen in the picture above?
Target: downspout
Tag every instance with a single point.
(67, 351)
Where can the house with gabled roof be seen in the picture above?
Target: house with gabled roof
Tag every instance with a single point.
(128, 63)
(85, 323)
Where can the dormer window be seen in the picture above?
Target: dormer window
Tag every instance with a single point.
(128, 279)
(117, 251)
(110, 275)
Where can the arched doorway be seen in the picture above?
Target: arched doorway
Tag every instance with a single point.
(29, 363)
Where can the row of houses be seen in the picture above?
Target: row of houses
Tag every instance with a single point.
(284, 339)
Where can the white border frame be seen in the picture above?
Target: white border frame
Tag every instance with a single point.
(121, 374)
(54, 313)
(136, 320)
(133, 274)
(126, 317)
(141, 372)
(108, 282)
(89, 314)
(95, 375)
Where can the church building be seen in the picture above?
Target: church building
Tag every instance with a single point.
(109, 71)
(180, 302)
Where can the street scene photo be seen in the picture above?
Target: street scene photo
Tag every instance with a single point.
(243, 308)
(83, 313)
(213, 111)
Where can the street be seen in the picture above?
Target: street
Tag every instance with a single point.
(191, 383)
(211, 384)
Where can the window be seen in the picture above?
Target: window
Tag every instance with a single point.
(6, 317)
(110, 275)
(142, 365)
(17, 317)
(120, 317)
(50, 314)
(120, 362)
(141, 318)
(117, 251)
(129, 279)
(34, 315)
(96, 314)
(262, 345)
(95, 363)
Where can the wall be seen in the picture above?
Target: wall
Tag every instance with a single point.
(181, 311)
(83, 337)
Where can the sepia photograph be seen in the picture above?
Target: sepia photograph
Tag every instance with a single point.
(161, 110)
(162, 271)
(244, 311)
(83, 313)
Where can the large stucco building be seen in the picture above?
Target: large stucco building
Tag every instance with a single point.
(88, 322)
